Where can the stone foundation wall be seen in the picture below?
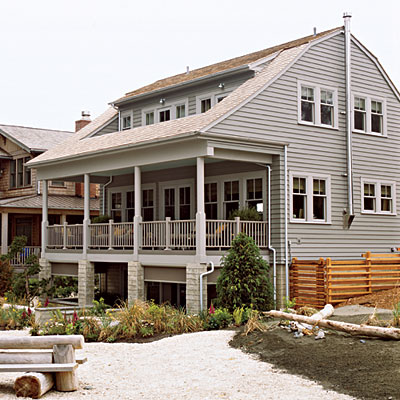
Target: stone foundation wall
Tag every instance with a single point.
(85, 283)
(193, 272)
(135, 281)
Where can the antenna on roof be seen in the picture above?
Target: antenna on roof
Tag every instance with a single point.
(315, 31)
(187, 69)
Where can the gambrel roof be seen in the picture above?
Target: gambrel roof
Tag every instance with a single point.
(220, 67)
(34, 139)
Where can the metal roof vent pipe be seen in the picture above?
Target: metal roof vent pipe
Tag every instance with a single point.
(85, 120)
(348, 215)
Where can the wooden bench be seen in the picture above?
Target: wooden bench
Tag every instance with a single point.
(42, 356)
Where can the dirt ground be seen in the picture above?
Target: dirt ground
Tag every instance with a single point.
(382, 299)
(362, 367)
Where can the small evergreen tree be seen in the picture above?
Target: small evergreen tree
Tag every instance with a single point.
(244, 279)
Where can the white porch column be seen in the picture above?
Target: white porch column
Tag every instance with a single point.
(63, 218)
(4, 233)
(138, 212)
(200, 215)
(86, 212)
(45, 218)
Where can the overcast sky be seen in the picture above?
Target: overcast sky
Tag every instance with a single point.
(59, 57)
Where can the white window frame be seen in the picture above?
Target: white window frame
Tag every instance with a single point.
(317, 104)
(176, 185)
(242, 178)
(123, 190)
(214, 96)
(378, 183)
(168, 105)
(122, 116)
(368, 122)
(309, 177)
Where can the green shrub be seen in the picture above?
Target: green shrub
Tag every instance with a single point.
(128, 323)
(101, 219)
(246, 214)
(218, 319)
(244, 279)
(13, 318)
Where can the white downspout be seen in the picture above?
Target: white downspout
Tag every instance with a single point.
(270, 248)
(104, 193)
(347, 35)
(286, 225)
(201, 283)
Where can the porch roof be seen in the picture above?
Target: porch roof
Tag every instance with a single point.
(55, 202)
(84, 145)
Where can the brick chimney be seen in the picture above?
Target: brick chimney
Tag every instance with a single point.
(81, 123)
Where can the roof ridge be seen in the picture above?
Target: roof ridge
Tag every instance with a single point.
(31, 127)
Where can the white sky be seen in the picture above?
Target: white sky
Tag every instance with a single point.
(59, 57)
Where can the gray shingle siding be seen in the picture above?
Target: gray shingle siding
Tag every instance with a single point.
(273, 114)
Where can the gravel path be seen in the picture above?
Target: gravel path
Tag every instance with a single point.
(193, 366)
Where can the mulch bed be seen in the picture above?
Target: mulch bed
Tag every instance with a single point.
(365, 368)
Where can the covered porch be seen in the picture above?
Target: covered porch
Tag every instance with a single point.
(170, 206)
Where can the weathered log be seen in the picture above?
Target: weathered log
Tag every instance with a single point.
(26, 357)
(65, 381)
(41, 342)
(33, 384)
(353, 329)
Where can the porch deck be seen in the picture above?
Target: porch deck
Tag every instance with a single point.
(155, 235)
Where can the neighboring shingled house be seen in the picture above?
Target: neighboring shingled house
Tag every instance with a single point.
(306, 132)
(20, 192)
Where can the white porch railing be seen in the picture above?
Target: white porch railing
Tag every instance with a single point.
(220, 233)
(65, 236)
(20, 258)
(111, 235)
(175, 235)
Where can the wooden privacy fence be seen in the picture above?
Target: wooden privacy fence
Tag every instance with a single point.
(316, 283)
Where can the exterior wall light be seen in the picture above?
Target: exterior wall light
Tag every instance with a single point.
(162, 101)
(221, 85)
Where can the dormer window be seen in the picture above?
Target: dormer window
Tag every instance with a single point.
(126, 121)
(150, 118)
(205, 105)
(180, 111)
(170, 110)
(164, 115)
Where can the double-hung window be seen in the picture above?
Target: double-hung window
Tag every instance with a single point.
(126, 120)
(205, 105)
(310, 198)
(164, 115)
(231, 197)
(369, 115)
(378, 197)
(317, 105)
(149, 116)
(20, 175)
(180, 111)
(130, 206)
(148, 204)
(211, 200)
(254, 194)
(116, 206)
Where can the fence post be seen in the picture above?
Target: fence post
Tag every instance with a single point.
(293, 281)
(167, 233)
(110, 234)
(328, 280)
(320, 279)
(65, 235)
(368, 267)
